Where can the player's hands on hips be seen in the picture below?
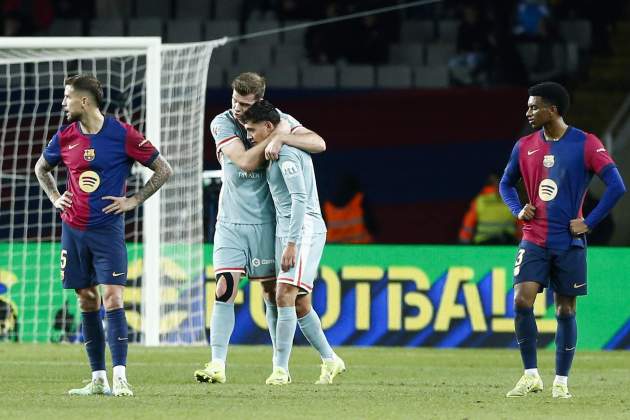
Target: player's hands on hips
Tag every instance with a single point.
(275, 144)
(288, 257)
(578, 227)
(527, 213)
(64, 201)
(120, 204)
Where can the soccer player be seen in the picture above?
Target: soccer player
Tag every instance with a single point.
(556, 164)
(245, 230)
(98, 152)
(300, 240)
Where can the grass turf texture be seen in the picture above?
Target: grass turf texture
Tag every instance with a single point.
(381, 383)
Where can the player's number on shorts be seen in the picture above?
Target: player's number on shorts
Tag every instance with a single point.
(519, 261)
(64, 260)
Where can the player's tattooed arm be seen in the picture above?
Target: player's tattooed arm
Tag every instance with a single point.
(43, 172)
(161, 173)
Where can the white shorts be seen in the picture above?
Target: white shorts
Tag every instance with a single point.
(309, 252)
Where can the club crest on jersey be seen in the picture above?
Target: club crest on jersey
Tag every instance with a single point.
(89, 155)
(289, 169)
(548, 161)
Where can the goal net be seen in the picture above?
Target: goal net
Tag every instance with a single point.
(160, 89)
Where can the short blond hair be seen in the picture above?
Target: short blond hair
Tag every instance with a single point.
(249, 83)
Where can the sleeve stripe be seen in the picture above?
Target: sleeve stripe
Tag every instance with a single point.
(225, 141)
(150, 161)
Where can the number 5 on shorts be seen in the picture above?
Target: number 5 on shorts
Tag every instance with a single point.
(64, 260)
(519, 261)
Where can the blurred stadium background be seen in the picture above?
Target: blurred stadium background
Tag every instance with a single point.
(418, 108)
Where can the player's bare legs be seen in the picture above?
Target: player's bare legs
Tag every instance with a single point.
(311, 327)
(221, 327)
(566, 340)
(285, 331)
(526, 335)
(94, 338)
(271, 312)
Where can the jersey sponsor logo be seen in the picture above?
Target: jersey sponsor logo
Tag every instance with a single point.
(72, 146)
(249, 175)
(531, 152)
(89, 154)
(289, 169)
(548, 161)
(257, 262)
(547, 190)
(89, 181)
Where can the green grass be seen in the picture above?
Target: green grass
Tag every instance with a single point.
(380, 382)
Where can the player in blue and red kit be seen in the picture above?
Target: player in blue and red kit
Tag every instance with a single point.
(556, 164)
(98, 152)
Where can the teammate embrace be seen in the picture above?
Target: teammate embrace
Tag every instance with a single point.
(253, 239)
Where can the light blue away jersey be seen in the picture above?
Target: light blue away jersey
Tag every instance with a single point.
(245, 196)
(294, 190)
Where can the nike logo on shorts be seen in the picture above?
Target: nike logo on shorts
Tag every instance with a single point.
(565, 349)
(123, 339)
(115, 274)
(577, 286)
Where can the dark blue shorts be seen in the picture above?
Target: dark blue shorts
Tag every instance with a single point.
(562, 271)
(93, 256)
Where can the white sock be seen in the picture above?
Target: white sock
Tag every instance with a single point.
(219, 361)
(99, 375)
(562, 380)
(119, 372)
(532, 372)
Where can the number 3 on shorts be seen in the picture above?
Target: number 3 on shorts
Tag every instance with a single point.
(519, 261)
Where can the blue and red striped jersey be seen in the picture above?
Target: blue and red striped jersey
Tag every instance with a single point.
(556, 175)
(98, 165)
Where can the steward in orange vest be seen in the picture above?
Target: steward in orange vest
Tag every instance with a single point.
(346, 224)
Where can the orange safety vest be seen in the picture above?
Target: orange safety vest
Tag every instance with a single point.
(346, 224)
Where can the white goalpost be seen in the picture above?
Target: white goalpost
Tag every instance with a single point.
(160, 89)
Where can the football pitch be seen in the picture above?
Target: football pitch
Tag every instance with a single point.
(380, 383)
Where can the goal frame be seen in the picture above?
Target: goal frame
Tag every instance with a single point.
(151, 288)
